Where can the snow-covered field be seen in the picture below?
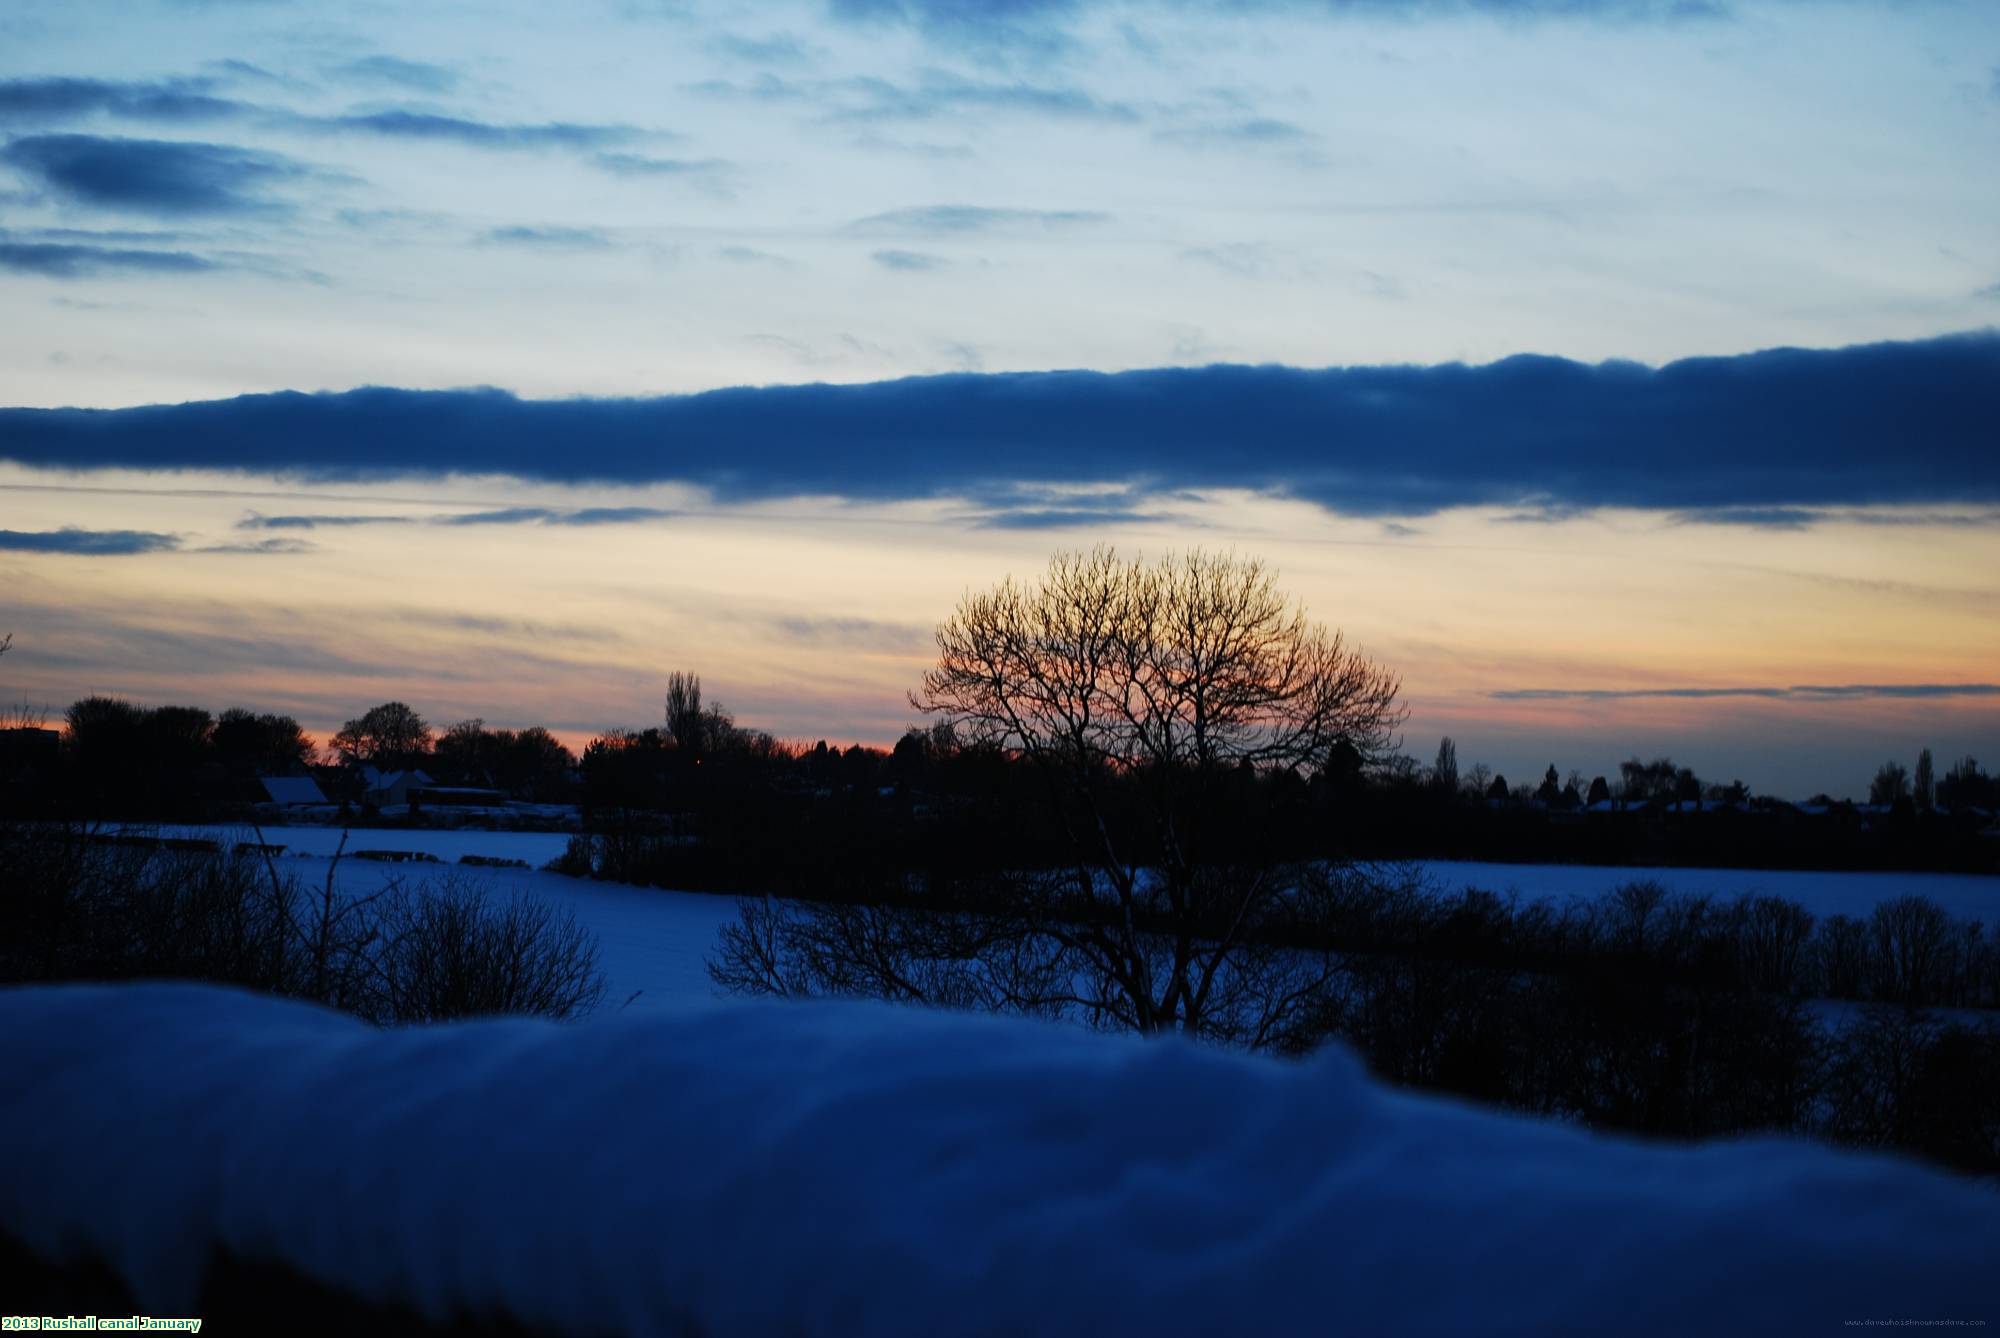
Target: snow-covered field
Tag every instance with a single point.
(1968, 896)
(536, 848)
(653, 944)
(827, 1168)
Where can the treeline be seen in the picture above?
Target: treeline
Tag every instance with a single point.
(1643, 1012)
(1683, 1016)
(695, 802)
(115, 759)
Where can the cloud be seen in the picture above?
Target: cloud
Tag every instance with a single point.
(909, 261)
(420, 76)
(1250, 132)
(172, 177)
(1249, 260)
(750, 255)
(867, 634)
(554, 238)
(48, 101)
(52, 100)
(1067, 518)
(1808, 692)
(939, 94)
(1903, 424)
(88, 543)
(611, 515)
(710, 174)
(1805, 518)
(57, 260)
(775, 49)
(262, 546)
(1031, 27)
(513, 515)
(936, 93)
(254, 521)
(1006, 27)
(422, 125)
(957, 218)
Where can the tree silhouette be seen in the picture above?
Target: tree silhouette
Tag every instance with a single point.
(1444, 772)
(1891, 785)
(1146, 698)
(387, 735)
(684, 715)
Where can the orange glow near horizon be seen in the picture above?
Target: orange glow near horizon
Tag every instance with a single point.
(812, 619)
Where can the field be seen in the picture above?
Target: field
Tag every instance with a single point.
(653, 942)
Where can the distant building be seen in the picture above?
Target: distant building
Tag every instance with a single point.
(292, 791)
(385, 789)
(27, 753)
(463, 796)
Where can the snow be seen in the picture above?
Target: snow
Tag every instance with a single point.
(292, 789)
(652, 944)
(1965, 895)
(764, 1168)
(537, 848)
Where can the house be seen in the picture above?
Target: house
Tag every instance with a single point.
(292, 791)
(386, 789)
(28, 753)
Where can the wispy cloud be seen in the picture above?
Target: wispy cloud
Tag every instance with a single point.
(262, 547)
(417, 75)
(70, 260)
(937, 93)
(552, 238)
(772, 49)
(54, 100)
(1805, 518)
(966, 218)
(409, 124)
(87, 543)
(1250, 260)
(1807, 692)
(513, 515)
(909, 261)
(750, 255)
(1068, 518)
(1045, 27)
(167, 177)
(1236, 135)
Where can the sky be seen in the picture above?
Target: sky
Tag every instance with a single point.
(1623, 373)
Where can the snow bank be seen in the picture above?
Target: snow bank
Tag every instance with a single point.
(814, 1169)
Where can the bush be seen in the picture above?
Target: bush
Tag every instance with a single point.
(78, 907)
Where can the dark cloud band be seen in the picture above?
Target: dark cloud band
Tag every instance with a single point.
(1881, 424)
(87, 543)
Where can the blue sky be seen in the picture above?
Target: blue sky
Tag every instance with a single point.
(511, 204)
(202, 199)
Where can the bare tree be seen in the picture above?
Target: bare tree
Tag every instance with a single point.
(1444, 772)
(1143, 695)
(684, 715)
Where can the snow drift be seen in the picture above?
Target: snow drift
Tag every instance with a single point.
(853, 1168)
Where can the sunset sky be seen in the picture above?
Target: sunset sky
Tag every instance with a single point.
(1623, 373)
